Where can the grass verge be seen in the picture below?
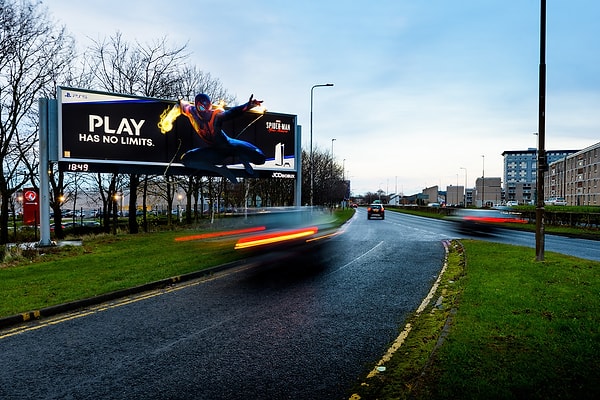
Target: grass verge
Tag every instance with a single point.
(101, 265)
(501, 326)
(107, 263)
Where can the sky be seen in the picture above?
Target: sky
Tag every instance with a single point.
(425, 93)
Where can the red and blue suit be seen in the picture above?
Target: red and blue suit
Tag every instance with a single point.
(217, 147)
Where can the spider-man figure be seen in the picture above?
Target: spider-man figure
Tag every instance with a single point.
(216, 146)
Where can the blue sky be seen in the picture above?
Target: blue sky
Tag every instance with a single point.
(424, 91)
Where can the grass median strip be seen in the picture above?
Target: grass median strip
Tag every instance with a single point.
(513, 327)
(104, 264)
(34, 279)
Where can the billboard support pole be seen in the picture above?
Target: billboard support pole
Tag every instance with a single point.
(44, 200)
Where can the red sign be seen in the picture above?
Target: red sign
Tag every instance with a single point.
(31, 207)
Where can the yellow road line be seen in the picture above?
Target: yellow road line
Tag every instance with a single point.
(404, 334)
(46, 322)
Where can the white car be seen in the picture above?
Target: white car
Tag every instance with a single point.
(512, 203)
(556, 201)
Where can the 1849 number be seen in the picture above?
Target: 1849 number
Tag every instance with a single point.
(78, 167)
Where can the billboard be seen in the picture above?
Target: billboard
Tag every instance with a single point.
(108, 132)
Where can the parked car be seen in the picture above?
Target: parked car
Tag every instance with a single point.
(512, 203)
(91, 224)
(556, 201)
(52, 226)
(375, 210)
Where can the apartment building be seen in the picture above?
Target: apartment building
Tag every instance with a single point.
(520, 172)
(455, 195)
(488, 192)
(576, 177)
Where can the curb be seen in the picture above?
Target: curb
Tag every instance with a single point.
(7, 322)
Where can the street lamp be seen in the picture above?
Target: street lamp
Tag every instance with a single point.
(312, 178)
(541, 150)
(483, 182)
(332, 159)
(465, 185)
(116, 202)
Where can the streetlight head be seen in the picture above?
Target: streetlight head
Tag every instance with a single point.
(329, 84)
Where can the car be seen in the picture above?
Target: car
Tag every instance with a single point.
(480, 220)
(91, 224)
(556, 201)
(52, 226)
(512, 203)
(375, 210)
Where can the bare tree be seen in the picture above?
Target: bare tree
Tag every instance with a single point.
(328, 185)
(109, 189)
(153, 69)
(33, 52)
(274, 192)
(150, 70)
(57, 199)
(193, 81)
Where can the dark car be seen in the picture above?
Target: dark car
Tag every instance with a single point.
(375, 210)
(476, 220)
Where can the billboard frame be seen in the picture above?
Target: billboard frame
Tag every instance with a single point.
(51, 150)
(82, 149)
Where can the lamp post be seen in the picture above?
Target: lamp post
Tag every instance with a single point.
(457, 197)
(312, 178)
(483, 182)
(542, 162)
(332, 159)
(465, 185)
(344, 182)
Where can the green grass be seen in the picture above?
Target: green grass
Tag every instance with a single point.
(524, 329)
(30, 281)
(101, 265)
(517, 329)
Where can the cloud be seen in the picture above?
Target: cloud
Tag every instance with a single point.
(421, 88)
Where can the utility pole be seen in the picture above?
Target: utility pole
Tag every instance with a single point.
(542, 162)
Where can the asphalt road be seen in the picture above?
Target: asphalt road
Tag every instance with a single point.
(582, 248)
(308, 326)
